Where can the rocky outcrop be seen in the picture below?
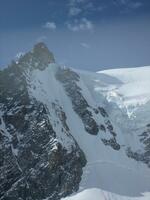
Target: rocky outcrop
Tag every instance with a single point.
(107, 127)
(69, 79)
(143, 155)
(80, 105)
(38, 58)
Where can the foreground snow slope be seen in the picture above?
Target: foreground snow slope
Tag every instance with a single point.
(97, 194)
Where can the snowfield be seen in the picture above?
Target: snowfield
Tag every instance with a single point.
(125, 94)
(97, 194)
(134, 90)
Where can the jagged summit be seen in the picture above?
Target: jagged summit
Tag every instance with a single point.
(38, 58)
(40, 50)
(40, 45)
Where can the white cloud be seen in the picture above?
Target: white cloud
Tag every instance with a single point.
(78, 6)
(85, 45)
(50, 25)
(73, 11)
(81, 25)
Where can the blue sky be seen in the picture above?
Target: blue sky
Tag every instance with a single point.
(85, 34)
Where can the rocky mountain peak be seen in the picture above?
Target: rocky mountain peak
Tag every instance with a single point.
(40, 50)
(39, 58)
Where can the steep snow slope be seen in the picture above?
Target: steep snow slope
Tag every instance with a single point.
(125, 94)
(106, 168)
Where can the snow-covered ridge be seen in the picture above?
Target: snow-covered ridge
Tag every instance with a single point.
(134, 90)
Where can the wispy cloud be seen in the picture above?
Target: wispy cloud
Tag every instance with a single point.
(77, 7)
(128, 6)
(128, 3)
(81, 25)
(50, 25)
(85, 45)
(135, 5)
(73, 11)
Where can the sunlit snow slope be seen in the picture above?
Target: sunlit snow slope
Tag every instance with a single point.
(106, 168)
(125, 94)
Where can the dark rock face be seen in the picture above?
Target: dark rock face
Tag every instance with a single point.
(107, 127)
(70, 79)
(143, 156)
(145, 139)
(33, 164)
(61, 115)
(80, 105)
(112, 143)
(102, 111)
(38, 58)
